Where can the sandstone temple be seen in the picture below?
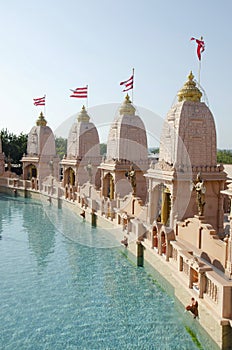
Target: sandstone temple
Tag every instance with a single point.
(171, 212)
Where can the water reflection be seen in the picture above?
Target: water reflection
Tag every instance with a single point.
(41, 233)
(6, 212)
(85, 298)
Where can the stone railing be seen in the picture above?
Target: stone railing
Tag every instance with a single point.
(211, 290)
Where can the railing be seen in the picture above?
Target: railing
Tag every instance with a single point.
(212, 290)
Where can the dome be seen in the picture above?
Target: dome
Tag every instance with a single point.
(41, 139)
(127, 137)
(189, 133)
(83, 139)
(189, 91)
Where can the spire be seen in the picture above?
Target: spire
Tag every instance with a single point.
(41, 121)
(83, 116)
(189, 91)
(127, 108)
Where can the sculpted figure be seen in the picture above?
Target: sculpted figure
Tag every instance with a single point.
(131, 175)
(89, 170)
(200, 189)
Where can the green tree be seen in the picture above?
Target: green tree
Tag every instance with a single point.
(224, 156)
(61, 146)
(14, 147)
(103, 148)
(154, 150)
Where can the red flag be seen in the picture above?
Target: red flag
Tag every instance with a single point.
(80, 92)
(200, 46)
(128, 84)
(39, 101)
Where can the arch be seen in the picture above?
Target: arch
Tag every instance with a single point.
(30, 171)
(108, 186)
(163, 243)
(194, 279)
(166, 205)
(155, 203)
(154, 237)
(69, 177)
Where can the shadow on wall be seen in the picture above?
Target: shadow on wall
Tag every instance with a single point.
(205, 257)
(215, 262)
(218, 265)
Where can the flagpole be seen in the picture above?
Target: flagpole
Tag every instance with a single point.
(87, 97)
(45, 105)
(199, 72)
(133, 72)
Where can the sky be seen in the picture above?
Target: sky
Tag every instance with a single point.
(49, 47)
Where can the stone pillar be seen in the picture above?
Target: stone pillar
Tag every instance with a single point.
(173, 218)
(202, 283)
(149, 201)
(93, 218)
(164, 208)
(180, 262)
(140, 254)
(226, 335)
(191, 277)
(220, 209)
(111, 188)
(229, 246)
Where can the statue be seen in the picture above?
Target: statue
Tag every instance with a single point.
(200, 189)
(89, 169)
(131, 175)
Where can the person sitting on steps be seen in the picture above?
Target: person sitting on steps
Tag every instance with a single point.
(193, 307)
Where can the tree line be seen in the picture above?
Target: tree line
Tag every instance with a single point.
(14, 147)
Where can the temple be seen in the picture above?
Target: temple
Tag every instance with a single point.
(41, 159)
(170, 213)
(126, 153)
(83, 155)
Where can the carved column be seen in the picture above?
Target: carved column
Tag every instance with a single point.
(220, 209)
(149, 201)
(202, 284)
(229, 245)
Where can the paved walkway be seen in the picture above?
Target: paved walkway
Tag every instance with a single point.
(207, 319)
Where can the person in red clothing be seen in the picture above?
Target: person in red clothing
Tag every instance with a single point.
(193, 307)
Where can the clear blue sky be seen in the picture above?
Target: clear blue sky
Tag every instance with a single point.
(49, 47)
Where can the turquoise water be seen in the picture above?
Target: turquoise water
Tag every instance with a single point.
(59, 294)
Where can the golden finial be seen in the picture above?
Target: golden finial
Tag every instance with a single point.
(41, 121)
(190, 76)
(83, 115)
(189, 91)
(127, 98)
(127, 108)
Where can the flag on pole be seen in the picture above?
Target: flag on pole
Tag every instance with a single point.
(128, 84)
(39, 101)
(80, 92)
(200, 46)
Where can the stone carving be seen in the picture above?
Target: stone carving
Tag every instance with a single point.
(89, 169)
(164, 166)
(200, 189)
(131, 175)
